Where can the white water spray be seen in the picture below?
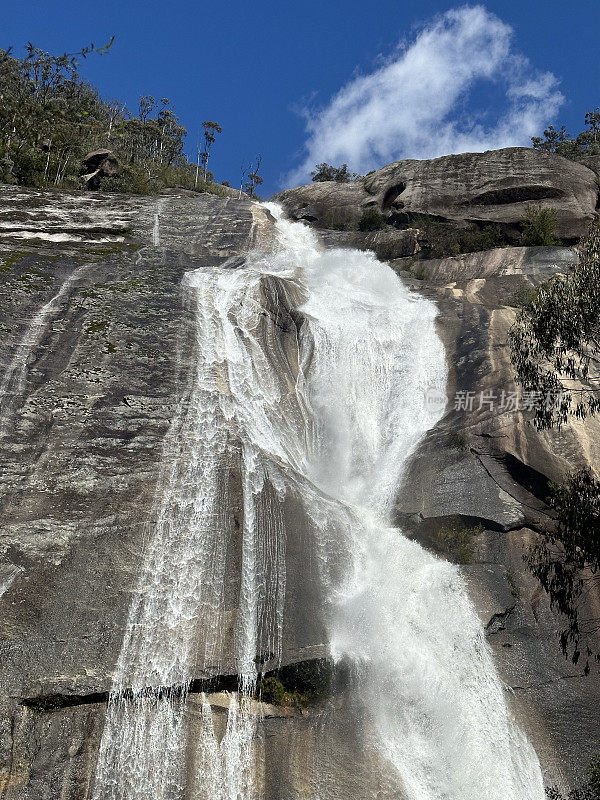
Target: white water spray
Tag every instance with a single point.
(334, 430)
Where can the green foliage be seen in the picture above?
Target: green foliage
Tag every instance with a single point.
(556, 337)
(523, 296)
(96, 326)
(539, 227)
(566, 559)
(310, 680)
(333, 222)
(458, 439)
(554, 793)
(297, 684)
(473, 239)
(271, 690)
(443, 240)
(133, 180)
(33, 280)
(327, 172)
(456, 541)
(594, 775)
(419, 271)
(586, 143)
(129, 181)
(554, 342)
(50, 118)
(514, 589)
(211, 128)
(8, 259)
(371, 220)
(253, 178)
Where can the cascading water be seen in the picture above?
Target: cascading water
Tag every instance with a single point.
(334, 432)
(15, 375)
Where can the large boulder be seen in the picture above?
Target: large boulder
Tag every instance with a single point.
(591, 162)
(98, 164)
(469, 188)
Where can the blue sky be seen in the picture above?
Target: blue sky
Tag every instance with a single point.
(364, 82)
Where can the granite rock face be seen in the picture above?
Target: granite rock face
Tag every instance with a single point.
(591, 162)
(470, 188)
(486, 468)
(81, 448)
(84, 417)
(80, 461)
(92, 284)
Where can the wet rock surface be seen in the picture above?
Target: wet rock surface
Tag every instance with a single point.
(484, 467)
(80, 462)
(81, 446)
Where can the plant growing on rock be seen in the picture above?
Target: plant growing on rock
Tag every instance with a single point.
(443, 240)
(334, 222)
(371, 220)
(458, 439)
(586, 143)
(298, 684)
(539, 227)
(555, 340)
(523, 295)
(210, 130)
(419, 271)
(50, 119)
(271, 690)
(254, 179)
(566, 560)
(456, 541)
(555, 350)
(327, 172)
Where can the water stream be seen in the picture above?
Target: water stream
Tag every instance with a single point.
(14, 379)
(332, 425)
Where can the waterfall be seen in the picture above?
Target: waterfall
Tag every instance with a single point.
(331, 425)
(156, 237)
(15, 375)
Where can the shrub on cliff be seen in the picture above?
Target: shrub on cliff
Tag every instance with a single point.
(442, 239)
(371, 220)
(555, 340)
(271, 690)
(566, 558)
(456, 542)
(539, 227)
(327, 172)
(589, 791)
(586, 143)
(555, 350)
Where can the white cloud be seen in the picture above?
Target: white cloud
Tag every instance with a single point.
(419, 104)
